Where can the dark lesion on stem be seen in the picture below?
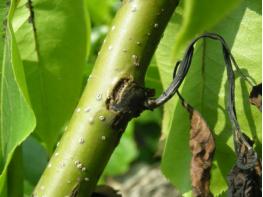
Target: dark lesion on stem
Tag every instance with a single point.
(127, 99)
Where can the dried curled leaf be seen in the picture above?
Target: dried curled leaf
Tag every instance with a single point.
(202, 145)
(255, 97)
(245, 183)
(246, 155)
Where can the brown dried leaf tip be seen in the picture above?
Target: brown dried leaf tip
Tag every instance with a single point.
(245, 182)
(202, 145)
(255, 97)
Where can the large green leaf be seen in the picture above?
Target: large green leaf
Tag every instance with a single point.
(138, 142)
(35, 159)
(123, 155)
(205, 88)
(199, 16)
(191, 18)
(16, 115)
(152, 78)
(15, 175)
(104, 13)
(53, 47)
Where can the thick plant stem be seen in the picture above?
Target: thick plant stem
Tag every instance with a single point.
(114, 94)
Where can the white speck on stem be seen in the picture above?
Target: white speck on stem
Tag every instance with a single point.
(49, 165)
(138, 43)
(42, 187)
(98, 97)
(113, 27)
(76, 162)
(62, 165)
(102, 118)
(110, 48)
(87, 109)
(134, 8)
(90, 120)
(83, 169)
(56, 154)
(86, 179)
(103, 137)
(78, 110)
(135, 60)
(156, 25)
(79, 165)
(81, 140)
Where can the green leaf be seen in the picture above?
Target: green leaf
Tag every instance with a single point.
(127, 150)
(15, 174)
(190, 18)
(123, 155)
(105, 13)
(53, 48)
(16, 114)
(205, 88)
(35, 159)
(199, 16)
(152, 79)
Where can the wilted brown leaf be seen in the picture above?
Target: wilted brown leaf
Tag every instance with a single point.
(255, 97)
(245, 183)
(202, 145)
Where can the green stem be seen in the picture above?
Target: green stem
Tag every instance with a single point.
(102, 115)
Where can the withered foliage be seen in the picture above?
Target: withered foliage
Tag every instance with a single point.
(245, 181)
(202, 145)
(255, 97)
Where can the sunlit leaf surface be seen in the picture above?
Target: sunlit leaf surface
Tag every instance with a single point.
(16, 115)
(205, 88)
(52, 38)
